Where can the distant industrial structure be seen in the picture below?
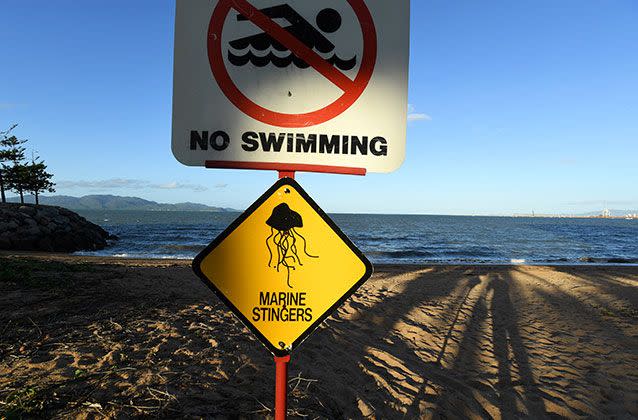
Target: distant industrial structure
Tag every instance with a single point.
(606, 213)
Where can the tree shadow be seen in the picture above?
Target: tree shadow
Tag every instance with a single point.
(606, 284)
(492, 334)
(577, 312)
(586, 354)
(440, 341)
(507, 342)
(369, 352)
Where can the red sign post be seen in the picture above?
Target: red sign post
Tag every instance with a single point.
(382, 59)
(352, 90)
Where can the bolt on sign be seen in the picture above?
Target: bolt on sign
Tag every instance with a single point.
(283, 267)
(291, 82)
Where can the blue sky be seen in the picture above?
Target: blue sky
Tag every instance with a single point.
(524, 106)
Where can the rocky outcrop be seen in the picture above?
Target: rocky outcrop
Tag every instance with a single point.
(45, 228)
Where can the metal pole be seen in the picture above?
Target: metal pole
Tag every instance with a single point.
(281, 363)
(281, 387)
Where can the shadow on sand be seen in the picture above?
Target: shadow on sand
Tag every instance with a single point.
(414, 342)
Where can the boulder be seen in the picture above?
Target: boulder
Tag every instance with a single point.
(48, 228)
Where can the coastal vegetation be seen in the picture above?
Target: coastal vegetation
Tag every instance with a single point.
(19, 174)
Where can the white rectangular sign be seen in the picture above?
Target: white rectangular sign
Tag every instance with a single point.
(291, 82)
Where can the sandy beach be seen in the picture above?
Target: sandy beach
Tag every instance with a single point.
(91, 337)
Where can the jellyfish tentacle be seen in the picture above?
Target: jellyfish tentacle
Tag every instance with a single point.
(284, 246)
(305, 244)
(293, 247)
(288, 268)
(278, 243)
(272, 234)
(283, 234)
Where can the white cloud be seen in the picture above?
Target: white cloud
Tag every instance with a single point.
(179, 186)
(419, 117)
(169, 186)
(416, 116)
(134, 184)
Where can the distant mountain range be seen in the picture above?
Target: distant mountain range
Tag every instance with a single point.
(113, 202)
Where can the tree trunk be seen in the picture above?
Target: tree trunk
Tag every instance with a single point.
(21, 197)
(4, 199)
(37, 199)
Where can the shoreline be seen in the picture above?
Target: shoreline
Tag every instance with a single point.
(185, 261)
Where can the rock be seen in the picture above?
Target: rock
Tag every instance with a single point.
(27, 209)
(61, 220)
(21, 243)
(45, 244)
(48, 228)
(30, 223)
(5, 243)
(33, 231)
(42, 220)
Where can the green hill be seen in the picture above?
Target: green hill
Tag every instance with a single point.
(113, 202)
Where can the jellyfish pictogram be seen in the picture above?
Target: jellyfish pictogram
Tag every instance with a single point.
(284, 223)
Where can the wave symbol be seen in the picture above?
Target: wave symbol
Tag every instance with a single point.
(282, 62)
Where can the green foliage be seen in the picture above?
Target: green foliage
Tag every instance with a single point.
(40, 274)
(17, 175)
(9, 273)
(22, 403)
(11, 147)
(37, 179)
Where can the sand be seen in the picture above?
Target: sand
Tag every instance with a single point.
(87, 337)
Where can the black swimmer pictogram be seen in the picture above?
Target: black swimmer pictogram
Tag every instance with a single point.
(283, 223)
(327, 20)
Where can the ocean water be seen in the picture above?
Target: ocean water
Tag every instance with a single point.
(396, 239)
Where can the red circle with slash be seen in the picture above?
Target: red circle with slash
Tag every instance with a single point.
(352, 89)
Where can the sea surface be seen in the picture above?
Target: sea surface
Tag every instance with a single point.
(396, 239)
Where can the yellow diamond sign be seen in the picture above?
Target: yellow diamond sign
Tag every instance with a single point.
(283, 267)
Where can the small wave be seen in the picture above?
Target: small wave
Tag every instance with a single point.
(612, 260)
(178, 247)
(282, 62)
(399, 254)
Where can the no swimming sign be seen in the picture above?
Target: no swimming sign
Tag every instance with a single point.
(297, 82)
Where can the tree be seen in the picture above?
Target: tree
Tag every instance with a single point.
(17, 179)
(38, 179)
(10, 151)
(19, 176)
(13, 152)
